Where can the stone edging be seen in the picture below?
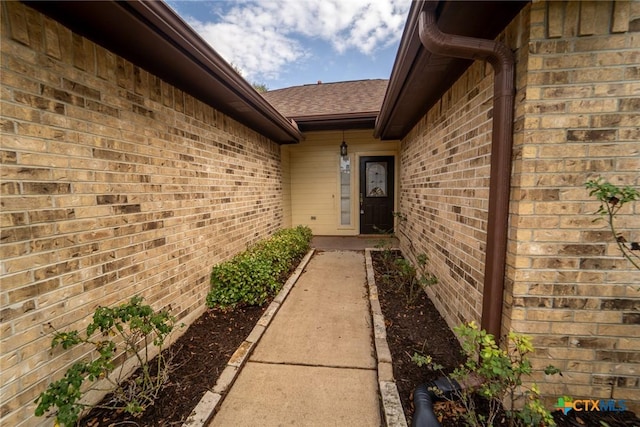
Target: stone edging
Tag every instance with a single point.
(391, 406)
(212, 399)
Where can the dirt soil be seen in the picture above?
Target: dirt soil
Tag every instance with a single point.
(202, 352)
(419, 327)
(199, 357)
(413, 327)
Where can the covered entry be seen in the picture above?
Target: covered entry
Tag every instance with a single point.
(321, 173)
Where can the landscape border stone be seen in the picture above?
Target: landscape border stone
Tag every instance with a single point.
(391, 405)
(211, 401)
(390, 398)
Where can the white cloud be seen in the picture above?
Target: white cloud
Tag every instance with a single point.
(263, 37)
(255, 54)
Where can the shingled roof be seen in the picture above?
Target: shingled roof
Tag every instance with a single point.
(323, 106)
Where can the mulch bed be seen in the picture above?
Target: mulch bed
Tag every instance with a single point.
(418, 327)
(199, 357)
(415, 327)
(203, 351)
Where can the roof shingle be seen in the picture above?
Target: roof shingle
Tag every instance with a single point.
(352, 97)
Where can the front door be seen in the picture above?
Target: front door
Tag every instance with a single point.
(376, 194)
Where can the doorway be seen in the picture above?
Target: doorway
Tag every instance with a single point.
(376, 194)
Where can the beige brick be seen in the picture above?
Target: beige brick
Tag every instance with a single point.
(632, 344)
(595, 105)
(617, 330)
(556, 236)
(554, 315)
(558, 208)
(522, 262)
(614, 89)
(564, 121)
(530, 327)
(517, 314)
(572, 329)
(575, 354)
(598, 317)
(102, 126)
(623, 277)
(74, 147)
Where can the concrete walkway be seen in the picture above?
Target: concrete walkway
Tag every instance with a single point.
(315, 365)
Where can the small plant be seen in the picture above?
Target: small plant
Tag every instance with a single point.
(612, 198)
(495, 374)
(251, 276)
(501, 372)
(412, 280)
(136, 326)
(401, 273)
(387, 255)
(421, 360)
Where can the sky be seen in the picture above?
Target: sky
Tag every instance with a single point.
(284, 43)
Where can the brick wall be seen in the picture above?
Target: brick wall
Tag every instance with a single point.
(114, 183)
(285, 159)
(571, 288)
(576, 118)
(444, 184)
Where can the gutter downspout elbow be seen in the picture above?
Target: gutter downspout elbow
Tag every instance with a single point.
(502, 60)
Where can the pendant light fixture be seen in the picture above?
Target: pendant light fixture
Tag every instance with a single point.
(343, 147)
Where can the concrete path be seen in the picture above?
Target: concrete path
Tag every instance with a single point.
(315, 364)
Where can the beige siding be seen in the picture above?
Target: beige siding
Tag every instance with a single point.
(315, 191)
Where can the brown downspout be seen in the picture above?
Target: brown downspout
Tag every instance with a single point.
(501, 58)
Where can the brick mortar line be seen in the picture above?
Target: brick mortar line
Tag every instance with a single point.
(212, 399)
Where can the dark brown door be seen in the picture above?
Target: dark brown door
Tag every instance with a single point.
(376, 194)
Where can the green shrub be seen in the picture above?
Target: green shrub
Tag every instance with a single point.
(251, 276)
(410, 279)
(501, 372)
(136, 327)
(497, 374)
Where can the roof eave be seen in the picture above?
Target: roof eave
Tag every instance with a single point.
(320, 122)
(167, 47)
(407, 51)
(418, 78)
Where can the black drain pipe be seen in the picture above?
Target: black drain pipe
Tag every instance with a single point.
(501, 58)
(425, 395)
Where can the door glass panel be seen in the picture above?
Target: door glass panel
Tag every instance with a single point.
(345, 191)
(376, 175)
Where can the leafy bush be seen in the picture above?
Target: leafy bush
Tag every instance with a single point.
(497, 375)
(414, 279)
(251, 276)
(501, 372)
(136, 326)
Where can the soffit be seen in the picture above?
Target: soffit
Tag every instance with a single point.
(419, 79)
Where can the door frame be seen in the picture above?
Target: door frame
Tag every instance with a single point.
(358, 186)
